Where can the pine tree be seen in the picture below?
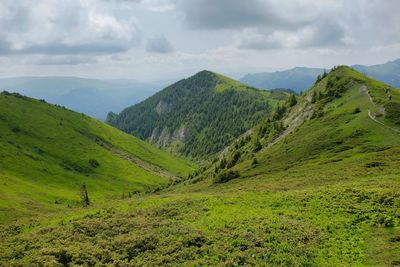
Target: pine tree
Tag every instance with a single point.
(254, 162)
(292, 100)
(84, 196)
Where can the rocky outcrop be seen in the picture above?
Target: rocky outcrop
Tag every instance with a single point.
(163, 107)
(166, 137)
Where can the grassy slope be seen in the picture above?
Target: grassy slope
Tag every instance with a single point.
(325, 195)
(45, 152)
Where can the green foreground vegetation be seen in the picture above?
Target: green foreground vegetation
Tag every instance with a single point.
(48, 152)
(316, 184)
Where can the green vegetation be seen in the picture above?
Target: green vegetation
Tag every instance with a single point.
(85, 196)
(198, 116)
(314, 184)
(47, 152)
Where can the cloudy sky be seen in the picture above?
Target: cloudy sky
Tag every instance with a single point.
(163, 40)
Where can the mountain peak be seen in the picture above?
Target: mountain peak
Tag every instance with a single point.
(197, 116)
(204, 73)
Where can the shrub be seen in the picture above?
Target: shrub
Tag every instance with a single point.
(292, 101)
(94, 163)
(257, 146)
(16, 130)
(234, 160)
(226, 176)
(356, 110)
(393, 112)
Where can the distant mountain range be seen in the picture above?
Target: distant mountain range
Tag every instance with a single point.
(302, 78)
(90, 96)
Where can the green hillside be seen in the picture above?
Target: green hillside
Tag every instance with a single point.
(317, 183)
(197, 116)
(341, 113)
(48, 152)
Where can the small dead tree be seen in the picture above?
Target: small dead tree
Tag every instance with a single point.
(84, 196)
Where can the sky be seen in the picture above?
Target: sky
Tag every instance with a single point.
(165, 40)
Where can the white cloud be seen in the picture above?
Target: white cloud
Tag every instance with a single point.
(64, 27)
(125, 38)
(158, 5)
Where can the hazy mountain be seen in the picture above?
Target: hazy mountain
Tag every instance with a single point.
(297, 79)
(301, 78)
(388, 72)
(90, 96)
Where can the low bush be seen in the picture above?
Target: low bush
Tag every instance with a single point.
(226, 176)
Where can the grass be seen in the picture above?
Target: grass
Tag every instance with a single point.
(296, 220)
(327, 194)
(46, 154)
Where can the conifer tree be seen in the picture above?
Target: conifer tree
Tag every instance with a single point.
(292, 100)
(84, 196)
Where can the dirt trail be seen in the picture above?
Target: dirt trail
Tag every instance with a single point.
(371, 115)
(135, 160)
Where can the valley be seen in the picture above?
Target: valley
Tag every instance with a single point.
(315, 182)
(146, 133)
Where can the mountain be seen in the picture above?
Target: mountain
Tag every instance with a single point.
(47, 152)
(343, 116)
(388, 73)
(298, 79)
(90, 96)
(197, 116)
(301, 78)
(316, 183)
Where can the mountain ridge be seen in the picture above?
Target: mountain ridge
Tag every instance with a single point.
(197, 116)
(302, 78)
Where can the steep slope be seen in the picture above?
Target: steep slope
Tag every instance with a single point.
(300, 79)
(90, 96)
(323, 191)
(344, 116)
(197, 116)
(48, 152)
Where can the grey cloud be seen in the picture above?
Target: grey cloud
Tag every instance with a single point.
(323, 33)
(93, 48)
(64, 60)
(271, 24)
(326, 33)
(232, 14)
(159, 44)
